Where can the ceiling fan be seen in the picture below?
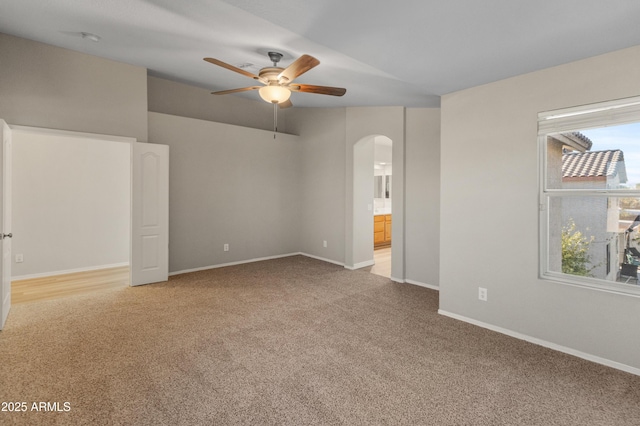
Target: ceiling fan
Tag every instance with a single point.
(278, 81)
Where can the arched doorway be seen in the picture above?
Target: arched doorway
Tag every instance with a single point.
(362, 204)
(382, 206)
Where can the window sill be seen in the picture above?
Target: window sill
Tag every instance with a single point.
(632, 290)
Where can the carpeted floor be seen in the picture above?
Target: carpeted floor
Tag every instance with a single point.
(291, 341)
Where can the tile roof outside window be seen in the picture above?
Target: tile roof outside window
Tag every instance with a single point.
(593, 164)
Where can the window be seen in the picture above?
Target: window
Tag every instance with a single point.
(590, 195)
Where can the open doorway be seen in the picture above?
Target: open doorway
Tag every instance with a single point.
(360, 247)
(382, 205)
(71, 214)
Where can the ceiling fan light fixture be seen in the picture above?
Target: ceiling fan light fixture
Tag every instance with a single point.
(274, 94)
(277, 80)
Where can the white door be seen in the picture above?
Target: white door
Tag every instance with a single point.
(150, 214)
(5, 221)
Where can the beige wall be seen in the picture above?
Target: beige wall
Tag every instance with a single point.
(489, 211)
(173, 98)
(322, 207)
(327, 136)
(422, 189)
(228, 185)
(47, 86)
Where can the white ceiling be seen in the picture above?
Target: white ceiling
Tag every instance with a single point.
(382, 150)
(405, 52)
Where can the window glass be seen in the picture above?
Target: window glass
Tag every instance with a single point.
(602, 158)
(592, 236)
(590, 204)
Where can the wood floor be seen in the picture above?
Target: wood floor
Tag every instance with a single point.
(382, 267)
(57, 286)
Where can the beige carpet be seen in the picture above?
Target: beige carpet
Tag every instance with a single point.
(291, 341)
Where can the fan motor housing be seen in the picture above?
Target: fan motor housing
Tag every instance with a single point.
(270, 73)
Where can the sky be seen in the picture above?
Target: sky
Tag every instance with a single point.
(626, 138)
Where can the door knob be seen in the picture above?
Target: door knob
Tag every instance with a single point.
(9, 235)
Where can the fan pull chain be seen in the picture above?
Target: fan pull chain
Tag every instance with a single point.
(275, 119)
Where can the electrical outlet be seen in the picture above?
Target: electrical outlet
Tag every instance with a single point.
(482, 294)
(324, 243)
(226, 247)
(19, 258)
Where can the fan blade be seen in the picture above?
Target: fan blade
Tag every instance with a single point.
(321, 90)
(232, 68)
(286, 104)
(243, 89)
(301, 65)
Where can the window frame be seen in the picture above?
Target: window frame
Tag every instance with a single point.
(597, 115)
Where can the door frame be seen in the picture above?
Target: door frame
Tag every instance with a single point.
(96, 136)
(5, 219)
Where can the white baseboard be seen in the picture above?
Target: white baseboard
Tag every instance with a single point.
(418, 283)
(240, 262)
(361, 265)
(322, 259)
(546, 344)
(68, 271)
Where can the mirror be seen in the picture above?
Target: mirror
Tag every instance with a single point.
(387, 187)
(382, 186)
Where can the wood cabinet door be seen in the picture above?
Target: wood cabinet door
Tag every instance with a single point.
(387, 228)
